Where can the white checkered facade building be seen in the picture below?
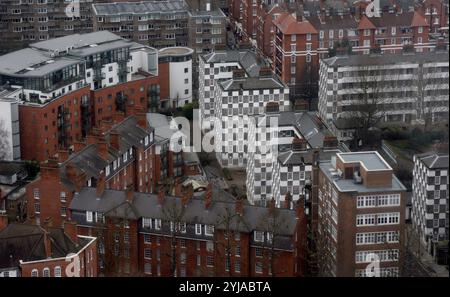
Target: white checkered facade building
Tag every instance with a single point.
(430, 198)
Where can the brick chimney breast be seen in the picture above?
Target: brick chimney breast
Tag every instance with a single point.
(208, 196)
(70, 229)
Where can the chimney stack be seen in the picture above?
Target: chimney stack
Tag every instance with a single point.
(300, 208)
(114, 139)
(47, 244)
(130, 193)
(63, 155)
(288, 200)
(238, 73)
(239, 207)
(188, 193)
(118, 117)
(70, 229)
(271, 206)
(208, 196)
(3, 220)
(265, 72)
(78, 146)
(142, 119)
(299, 144)
(161, 196)
(102, 149)
(50, 169)
(100, 187)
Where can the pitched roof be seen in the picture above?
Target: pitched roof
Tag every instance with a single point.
(288, 24)
(434, 160)
(365, 23)
(26, 243)
(418, 20)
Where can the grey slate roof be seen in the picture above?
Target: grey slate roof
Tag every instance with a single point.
(142, 8)
(248, 59)
(434, 160)
(146, 205)
(305, 157)
(307, 123)
(38, 62)
(26, 242)
(252, 83)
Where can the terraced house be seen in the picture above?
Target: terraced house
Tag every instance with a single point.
(188, 235)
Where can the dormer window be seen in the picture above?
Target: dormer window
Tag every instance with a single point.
(258, 236)
(107, 170)
(209, 230)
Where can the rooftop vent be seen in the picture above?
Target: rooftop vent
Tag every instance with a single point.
(357, 179)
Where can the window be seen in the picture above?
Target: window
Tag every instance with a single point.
(210, 261)
(308, 36)
(258, 267)
(293, 37)
(37, 208)
(209, 230)
(198, 229)
(36, 193)
(148, 268)
(186, 70)
(46, 272)
(89, 216)
(199, 260)
(34, 273)
(238, 251)
(147, 253)
(237, 266)
(209, 246)
(258, 252)
(147, 238)
(186, 91)
(157, 224)
(63, 196)
(259, 236)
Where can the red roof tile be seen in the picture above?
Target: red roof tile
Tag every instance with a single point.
(365, 23)
(288, 24)
(418, 20)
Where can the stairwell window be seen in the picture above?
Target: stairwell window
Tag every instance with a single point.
(46, 272)
(34, 273)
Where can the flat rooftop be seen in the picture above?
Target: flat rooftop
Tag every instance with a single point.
(386, 59)
(175, 51)
(348, 185)
(252, 83)
(370, 160)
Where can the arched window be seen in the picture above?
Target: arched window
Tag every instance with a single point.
(46, 272)
(34, 273)
(57, 271)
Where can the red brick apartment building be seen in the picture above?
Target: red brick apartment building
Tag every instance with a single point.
(361, 208)
(70, 84)
(28, 250)
(210, 234)
(113, 156)
(315, 29)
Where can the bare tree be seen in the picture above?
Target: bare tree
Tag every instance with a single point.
(427, 105)
(272, 224)
(173, 214)
(320, 257)
(369, 107)
(229, 221)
